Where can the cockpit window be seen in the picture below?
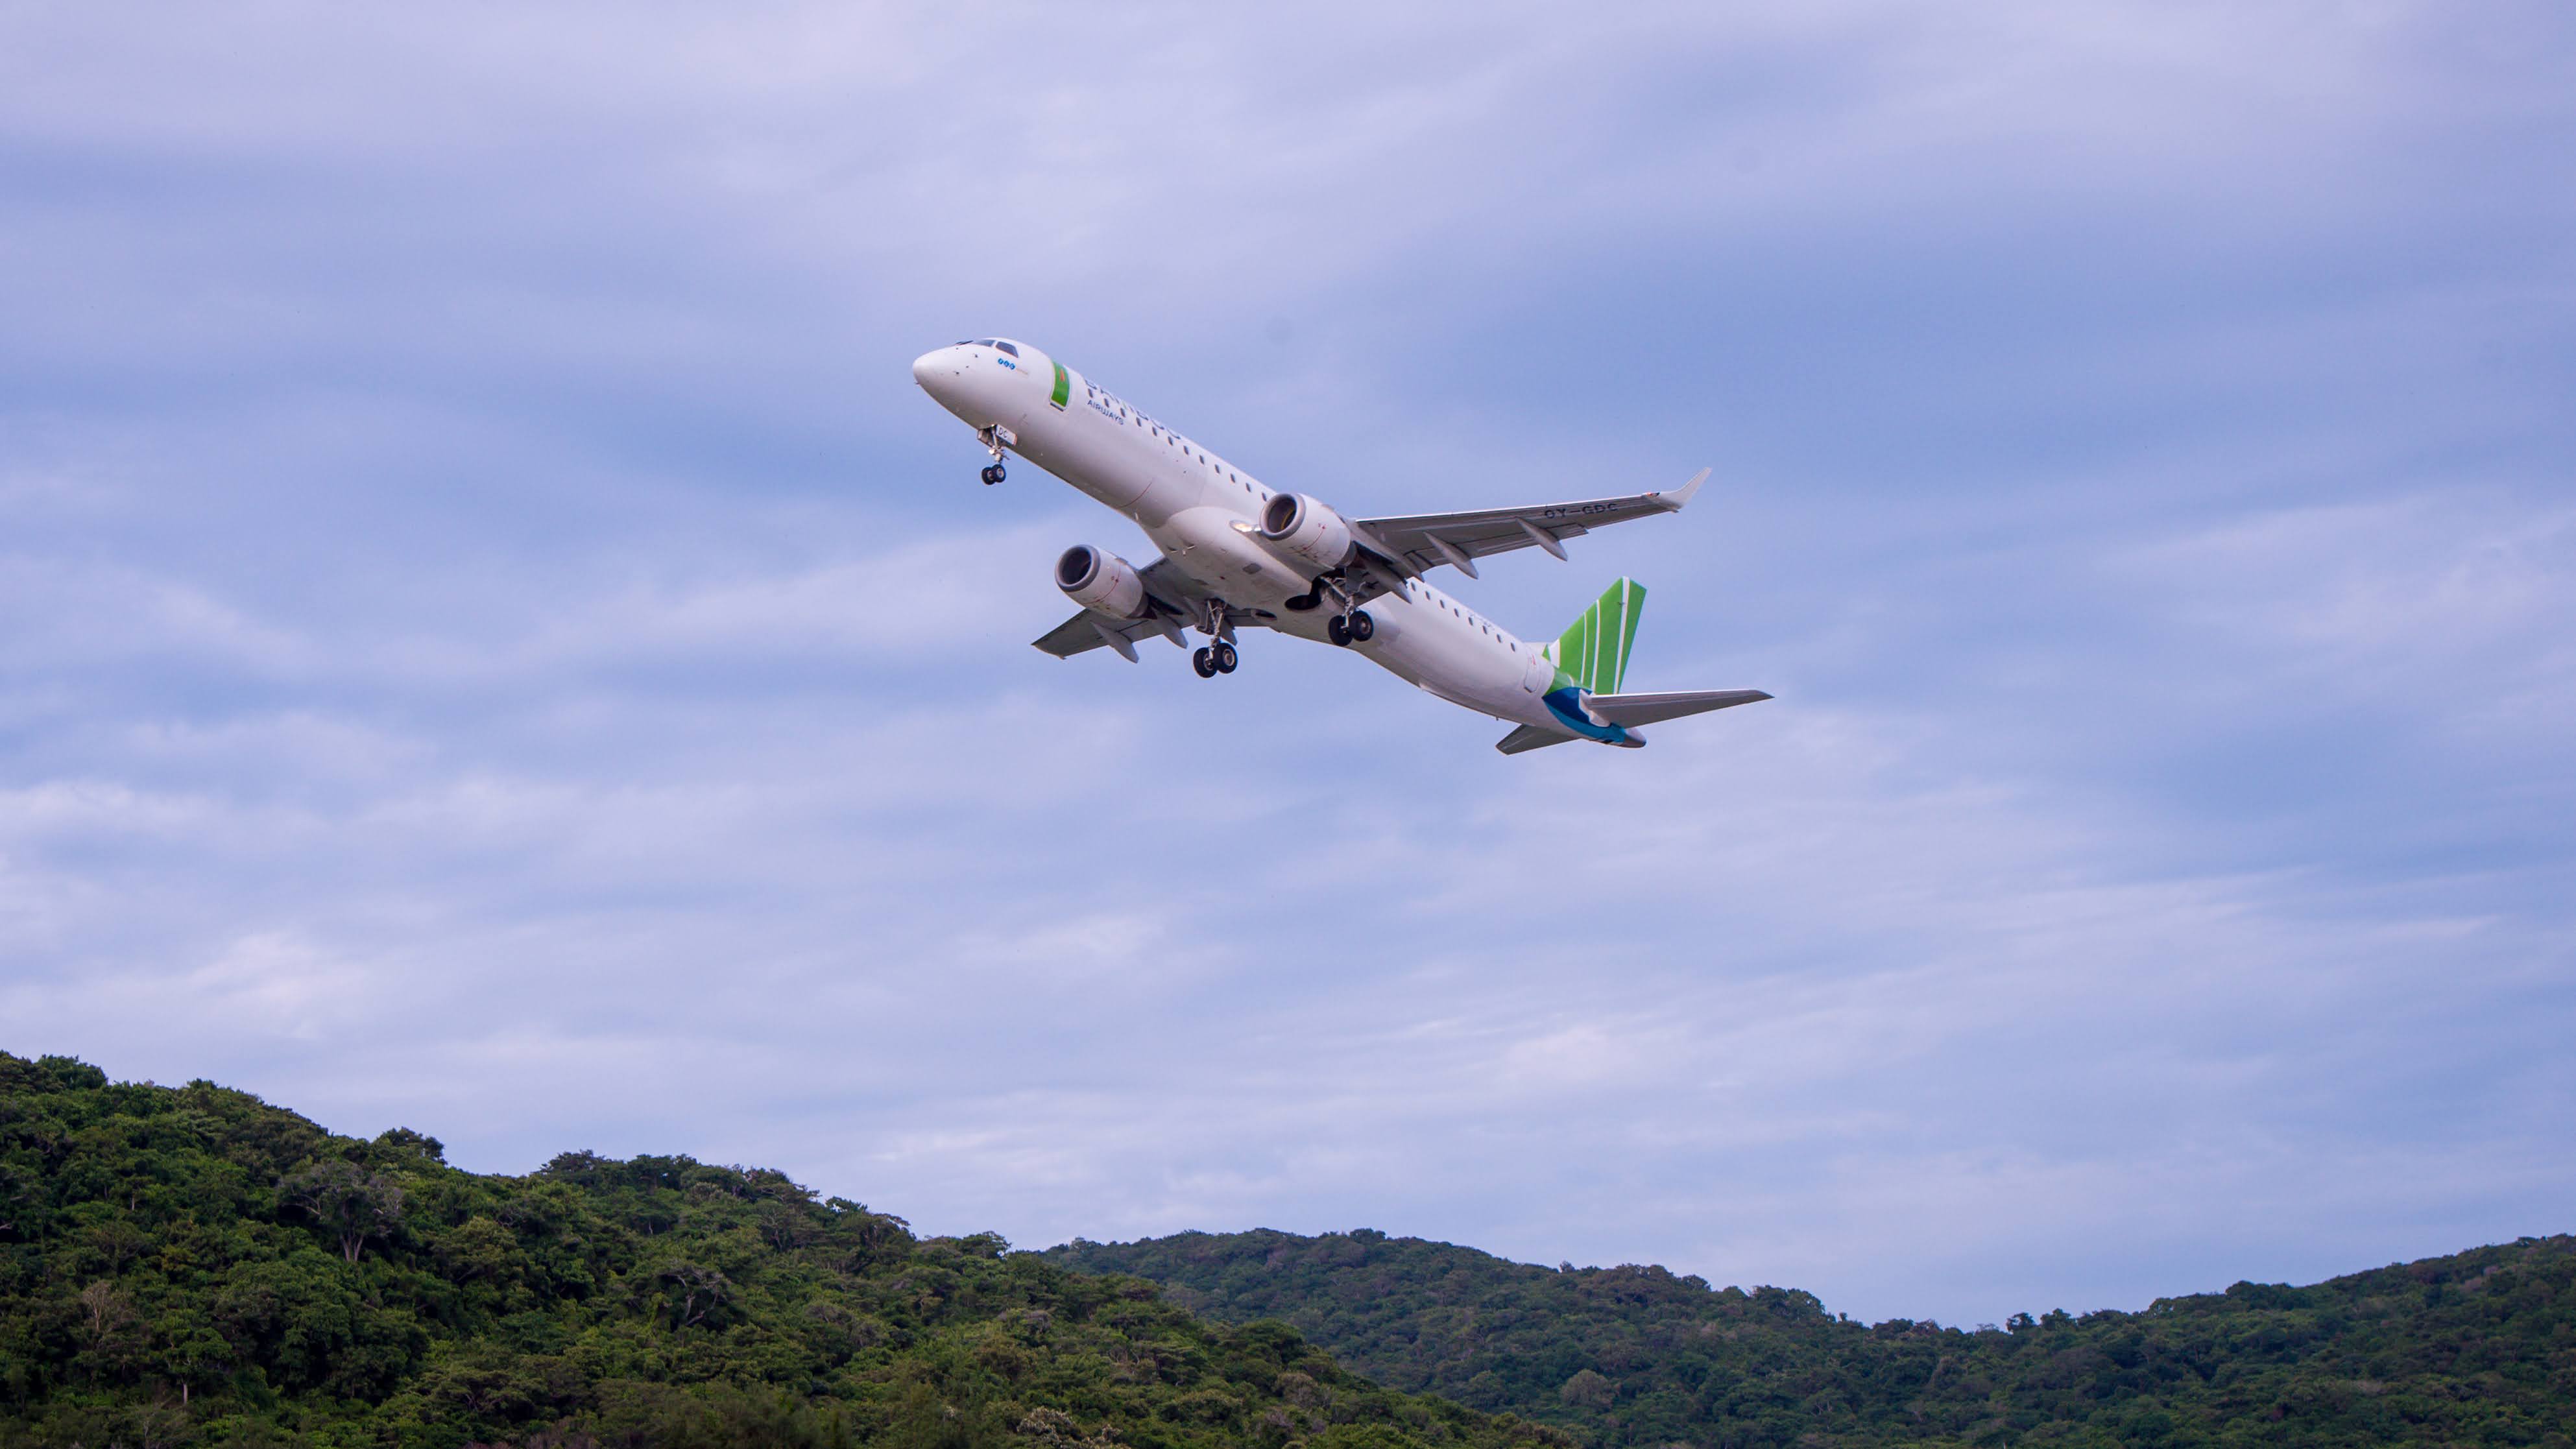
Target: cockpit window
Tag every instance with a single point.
(1006, 347)
(983, 341)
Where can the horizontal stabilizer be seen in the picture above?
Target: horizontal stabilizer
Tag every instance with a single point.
(1645, 709)
(1531, 737)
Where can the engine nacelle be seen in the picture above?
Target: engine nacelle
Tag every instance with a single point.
(1100, 580)
(1300, 528)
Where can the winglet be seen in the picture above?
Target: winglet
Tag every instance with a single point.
(1672, 499)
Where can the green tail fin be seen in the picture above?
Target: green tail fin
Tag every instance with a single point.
(1593, 655)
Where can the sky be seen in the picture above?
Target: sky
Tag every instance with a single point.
(492, 640)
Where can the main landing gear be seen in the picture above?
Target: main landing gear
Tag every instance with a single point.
(1218, 656)
(1352, 625)
(1215, 659)
(992, 474)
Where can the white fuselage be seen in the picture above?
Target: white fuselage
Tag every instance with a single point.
(1203, 512)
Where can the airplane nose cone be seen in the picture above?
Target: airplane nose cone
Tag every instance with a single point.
(948, 376)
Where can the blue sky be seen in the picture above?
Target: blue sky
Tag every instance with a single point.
(492, 640)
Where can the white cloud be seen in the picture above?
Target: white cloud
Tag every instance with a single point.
(2386, 600)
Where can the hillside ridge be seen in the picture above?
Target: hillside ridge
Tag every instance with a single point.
(192, 1266)
(2475, 1347)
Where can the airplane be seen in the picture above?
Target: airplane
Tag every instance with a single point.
(1237, 554)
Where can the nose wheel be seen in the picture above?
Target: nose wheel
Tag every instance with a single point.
(994, 437)
(1352, 628)
(1215, 659)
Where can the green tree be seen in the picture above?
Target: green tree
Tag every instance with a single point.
(350, 1202)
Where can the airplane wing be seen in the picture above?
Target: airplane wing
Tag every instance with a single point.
(1424, 541)
(1174, 597)
(1087, 631)
(1645, 709)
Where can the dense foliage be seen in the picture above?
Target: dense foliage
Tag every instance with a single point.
(192, 1266)
(2474, 1349)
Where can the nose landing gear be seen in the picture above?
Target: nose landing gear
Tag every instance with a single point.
(994, 437)
(1354, 627)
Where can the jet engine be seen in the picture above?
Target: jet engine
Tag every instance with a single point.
(1300, 528)
(1101, 581)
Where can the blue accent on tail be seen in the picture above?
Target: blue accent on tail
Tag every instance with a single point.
(1567, 705)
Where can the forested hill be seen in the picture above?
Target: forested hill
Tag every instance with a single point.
(2474, 1349)
(190, 1266)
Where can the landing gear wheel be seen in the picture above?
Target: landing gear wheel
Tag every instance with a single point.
(1204, 661)
(1225, 657)
(992, 474)
(1362, 627)
(1338, 629)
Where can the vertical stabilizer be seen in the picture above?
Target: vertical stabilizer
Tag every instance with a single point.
(1594, 653)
